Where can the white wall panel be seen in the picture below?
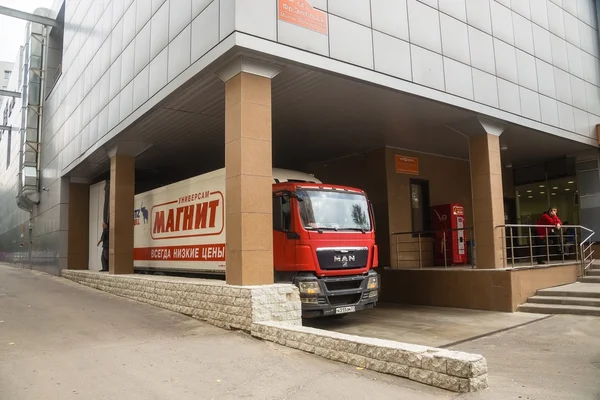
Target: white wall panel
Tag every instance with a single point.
(391, 17)
(392, 56)
(350, 42)
(428, 68)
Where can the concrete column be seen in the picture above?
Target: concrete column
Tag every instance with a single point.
(121, 205)
(78, 226)
(488, 199)
(249, 175)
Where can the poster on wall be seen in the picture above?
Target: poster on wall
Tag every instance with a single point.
(407, 165)
(303, 14)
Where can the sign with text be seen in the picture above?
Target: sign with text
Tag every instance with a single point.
(302, 13)
(407, 165)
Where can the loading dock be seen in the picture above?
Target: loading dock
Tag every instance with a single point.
(344, 132)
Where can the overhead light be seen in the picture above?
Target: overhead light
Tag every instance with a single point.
(508, 166)
(542, 186)
(542, 192)
(529, 191)
(531, 197)
(571, 182)
(567, 189)
(503, 147)
(553, 194)
(555, 187)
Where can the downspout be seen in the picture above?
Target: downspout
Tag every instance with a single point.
(22, 200)
(29, 153)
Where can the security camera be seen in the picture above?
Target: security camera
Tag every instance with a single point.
(44, 189)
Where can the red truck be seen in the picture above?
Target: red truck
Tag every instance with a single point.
(323, 237)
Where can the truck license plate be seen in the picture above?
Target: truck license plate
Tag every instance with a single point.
(344, 310)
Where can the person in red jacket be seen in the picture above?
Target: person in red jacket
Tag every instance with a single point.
(546, 229)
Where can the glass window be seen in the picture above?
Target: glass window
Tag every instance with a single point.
(333, 210)
(420, 207)
(535, 198)
(282, 217)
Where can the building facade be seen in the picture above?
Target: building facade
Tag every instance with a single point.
(6, 69)
(493, 99)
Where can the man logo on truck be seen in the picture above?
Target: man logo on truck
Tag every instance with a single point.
(344, 259)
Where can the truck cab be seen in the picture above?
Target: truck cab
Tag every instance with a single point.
(324, 243)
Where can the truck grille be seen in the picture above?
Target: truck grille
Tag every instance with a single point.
(343, 285)
(344, 299)
(343, 258)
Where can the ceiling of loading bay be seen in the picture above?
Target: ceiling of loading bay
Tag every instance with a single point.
(316, 117)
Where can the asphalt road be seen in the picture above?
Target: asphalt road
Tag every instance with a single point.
(60, 340)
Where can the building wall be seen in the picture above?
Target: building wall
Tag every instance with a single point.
(4, 67)
(117, 55)
(12, 219)
(533, 58)
(493, 290)
(449, 182)
(374, 171)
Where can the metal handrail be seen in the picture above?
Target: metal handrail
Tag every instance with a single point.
(418, 236)
(583, 250)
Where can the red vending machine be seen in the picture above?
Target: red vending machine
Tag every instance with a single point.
(448, 222)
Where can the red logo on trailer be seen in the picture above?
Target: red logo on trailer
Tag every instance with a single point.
(199, 214)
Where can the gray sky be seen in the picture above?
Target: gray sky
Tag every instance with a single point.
(12, 30)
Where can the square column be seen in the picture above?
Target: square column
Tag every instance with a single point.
(78, 226)
(249, 172)
(121, 206)
(488, 200)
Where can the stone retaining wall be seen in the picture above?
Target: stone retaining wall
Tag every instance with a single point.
(446, 369)
(225, 306)
(273, 313)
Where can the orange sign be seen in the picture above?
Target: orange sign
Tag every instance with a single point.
(302, 13)
(407, 165)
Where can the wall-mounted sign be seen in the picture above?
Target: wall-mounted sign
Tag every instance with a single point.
(302, 13)
(407, 165)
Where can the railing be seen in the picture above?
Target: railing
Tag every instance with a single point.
(522, 246)
(441, 248)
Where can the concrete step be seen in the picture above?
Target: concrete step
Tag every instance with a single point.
(592, 272)
(589, 279)
(558, 292)
(565, 300)
(559, 309)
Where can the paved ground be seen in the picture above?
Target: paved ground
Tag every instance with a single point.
(59, 340)
(554, 359)
(430, 326)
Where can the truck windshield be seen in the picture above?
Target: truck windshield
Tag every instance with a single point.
(333, 210)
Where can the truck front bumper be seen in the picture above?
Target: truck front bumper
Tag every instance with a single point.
(339, 295)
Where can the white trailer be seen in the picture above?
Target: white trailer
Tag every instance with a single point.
(179, 227)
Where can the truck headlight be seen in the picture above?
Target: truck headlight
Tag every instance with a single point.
(309, 287)
(373, 282)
